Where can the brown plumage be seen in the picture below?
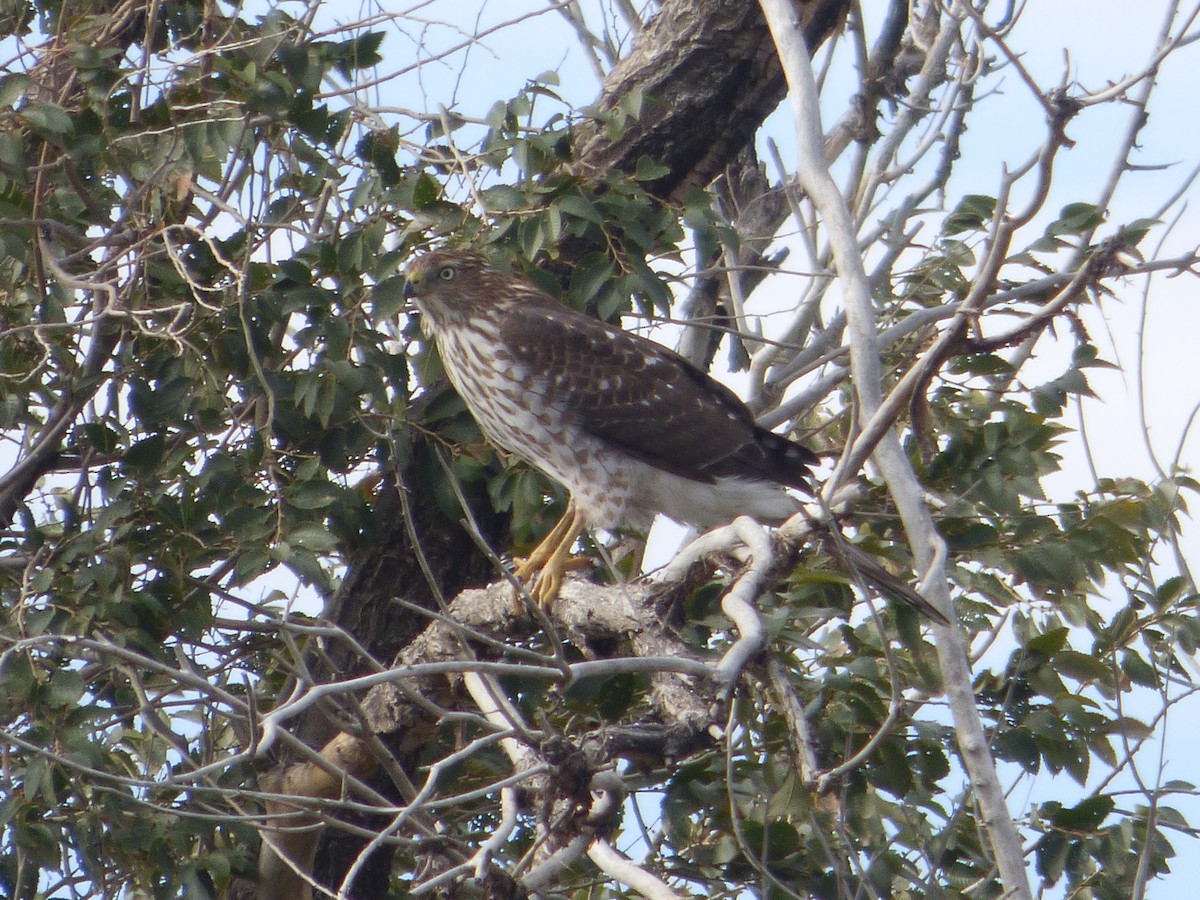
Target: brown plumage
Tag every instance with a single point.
(629, 427)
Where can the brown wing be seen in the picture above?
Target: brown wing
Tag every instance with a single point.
(643, 398)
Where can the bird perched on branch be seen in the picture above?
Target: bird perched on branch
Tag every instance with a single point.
(629, 427)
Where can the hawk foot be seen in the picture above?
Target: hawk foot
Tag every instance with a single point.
(544, 583)
(544, 568)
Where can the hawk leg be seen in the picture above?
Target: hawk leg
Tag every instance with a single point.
(544, 568)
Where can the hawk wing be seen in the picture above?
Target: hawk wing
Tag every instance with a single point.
(648, 401)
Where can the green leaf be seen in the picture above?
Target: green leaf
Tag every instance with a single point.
(1134, 232)
(48, 118)
(314, 495)
(1019, 746)
(532, 236)
(144, 456)
(1170, 591)
(1138, 670)
(1082, 667)
(972, 213)
(218, 866)
(1075, 218)
(1051, 856)
(580, 207)
(13, 87)
(1085, 816)
(17, 680)
(251, 564)
(360, 52)
(66, 687)
(631, 103)
(1050, 642)
(504, 198)
(387, 297)
(590, 275)
(312, 537)
(426, 191)
(307, 566)
(649, 170)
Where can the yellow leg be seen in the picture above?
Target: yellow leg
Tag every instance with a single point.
(532, 563)
(544, 568)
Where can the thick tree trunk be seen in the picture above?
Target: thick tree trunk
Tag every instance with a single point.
(708, 76)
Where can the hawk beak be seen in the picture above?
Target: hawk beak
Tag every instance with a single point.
(410, 289)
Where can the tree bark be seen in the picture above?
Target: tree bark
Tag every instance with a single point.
(708, 76)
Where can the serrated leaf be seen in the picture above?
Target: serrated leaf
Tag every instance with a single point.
(1050, 642)
(251, 564)
(146, 454)
(504, 198)
(579, 207)
(359, 52)
(589, 277)
(12, 88)
(426, 191)
(65, 689)
(1103, 748)
(304, 563)
(47, 117)
(314, 495)
(312, 537)
(1075, 218)
(972, 212)
(1081, 666)
(649, 170)
(387, 297)
(1085, 816)
(1051, 856)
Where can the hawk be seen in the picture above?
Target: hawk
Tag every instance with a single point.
(629, 427)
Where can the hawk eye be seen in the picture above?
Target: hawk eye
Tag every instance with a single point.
(446, 274)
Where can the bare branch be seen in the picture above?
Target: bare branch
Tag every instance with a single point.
(902, 483)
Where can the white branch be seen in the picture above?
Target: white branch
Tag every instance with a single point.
(748, 537)
(738, 602)
(624, 870)
(500, 835)
(608, 793)
(559, 861)
(500, 712)
(902, 482)
(271, 724)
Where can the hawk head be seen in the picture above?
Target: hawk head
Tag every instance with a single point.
(450, 287)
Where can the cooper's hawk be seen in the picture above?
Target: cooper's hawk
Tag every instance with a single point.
(627, 426)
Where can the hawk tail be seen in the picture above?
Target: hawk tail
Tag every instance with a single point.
(864, 567)
(782, 460)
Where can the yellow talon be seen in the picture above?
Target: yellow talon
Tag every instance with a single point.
(542, 571)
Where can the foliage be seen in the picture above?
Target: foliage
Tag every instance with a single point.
(207, 369)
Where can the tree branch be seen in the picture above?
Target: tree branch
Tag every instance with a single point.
(813, 172)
